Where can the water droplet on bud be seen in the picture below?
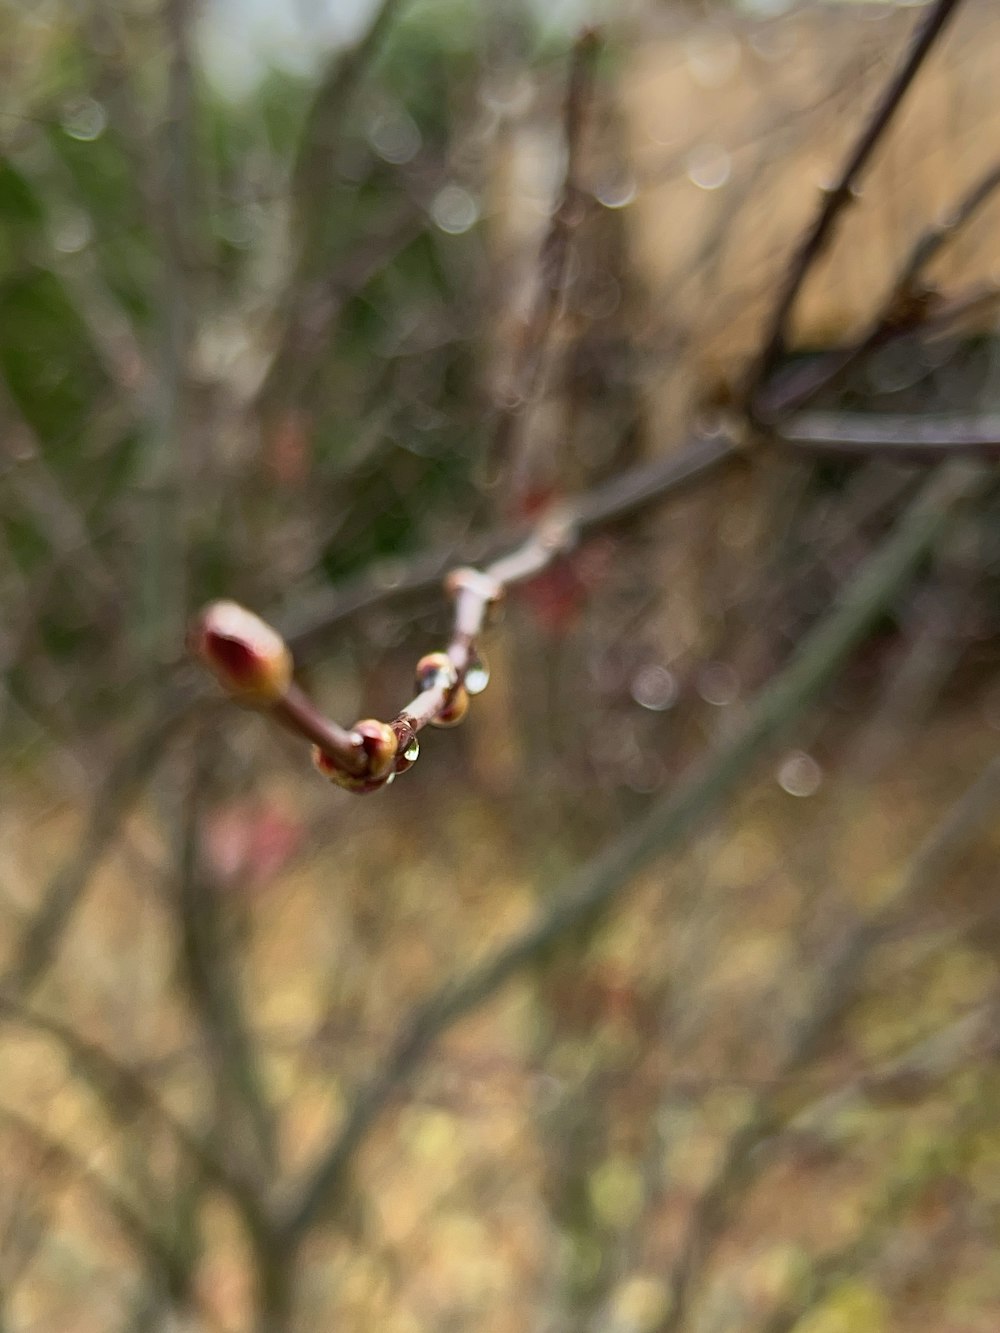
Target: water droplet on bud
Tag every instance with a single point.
(477, 675)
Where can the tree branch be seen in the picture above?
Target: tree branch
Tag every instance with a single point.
(841, 193)
(909, 438)
(832, 995)
(531, 362)
(667, 824)
(908, 305)
(252, 661)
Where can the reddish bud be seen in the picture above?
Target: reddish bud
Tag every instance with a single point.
(377, 744)
(246, 655)
(359, 783)
(454, 710)
(378, 741)
(436, 671)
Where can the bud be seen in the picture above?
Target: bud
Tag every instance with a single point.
(436, 671)
(377, 745)
(359, 783)
(454, 710)
(246, 655)
(378, 741)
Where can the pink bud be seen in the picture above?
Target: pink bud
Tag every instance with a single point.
(359, 783)
(454, 709)
(246, 655)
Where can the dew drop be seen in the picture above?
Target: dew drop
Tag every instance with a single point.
(799, 774)
(655, 688)
(72, 234)
(616, 191)
(709, 166)
(394, 136)
(454, 210)
(477, 675)
(718, 684)
(84, 119)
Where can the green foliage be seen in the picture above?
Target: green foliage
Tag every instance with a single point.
(48, 360)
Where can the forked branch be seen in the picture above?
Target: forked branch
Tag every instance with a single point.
(840, 194)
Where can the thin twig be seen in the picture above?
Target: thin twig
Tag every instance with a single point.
(907, 306)
(668, 823)
(141, 1232)
(115, 796)
(632, 492)
(531, 359)
(308, 327)
(323, 123)
(841, 193)
(212, 988)
(909, 437)
(253, 661)
(125, 1093)
(832, 996)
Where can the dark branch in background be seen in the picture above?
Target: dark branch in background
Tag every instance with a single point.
(323, 125)
(910, 304)
(667, 824)
(206, 964)
(910, 438)
(140, 1230)
(840, 195)
(125, 1094)
(837, 985)
(121, 788)
(531, 361)
(308, 327)
(318, 140)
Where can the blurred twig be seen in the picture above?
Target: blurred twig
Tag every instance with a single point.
(207, 964)
(630, 493)
(833, 994)
(666, 824)
(508, 451)
(125, 1094)
(884, 1218)
(319, 137)
(838, 196)
(143, 1234)
(909, 437)
(115, 796)
(310, 325)
(164, 558)
(908, 305)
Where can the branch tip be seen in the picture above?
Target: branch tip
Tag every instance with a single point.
(248, 658)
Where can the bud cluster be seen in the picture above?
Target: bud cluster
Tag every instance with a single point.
(375, 744)
(252, 661)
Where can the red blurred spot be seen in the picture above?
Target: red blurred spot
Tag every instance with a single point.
(289, 446)
(247, 843)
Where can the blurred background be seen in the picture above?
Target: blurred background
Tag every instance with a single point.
(302, 302)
